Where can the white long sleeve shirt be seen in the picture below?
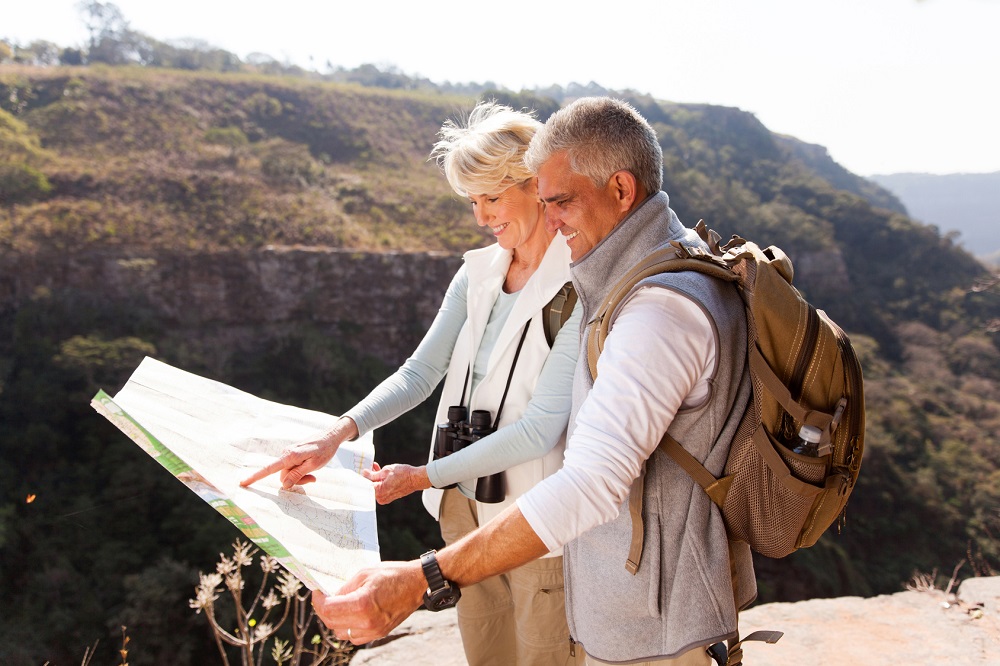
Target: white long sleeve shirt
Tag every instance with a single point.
(657, 359)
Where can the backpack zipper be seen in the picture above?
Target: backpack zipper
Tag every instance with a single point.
(851, 464)
(802, 363)
(797, 378)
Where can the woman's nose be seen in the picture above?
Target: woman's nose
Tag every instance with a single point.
(483, 215)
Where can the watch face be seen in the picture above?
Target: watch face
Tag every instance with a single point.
(443, 598)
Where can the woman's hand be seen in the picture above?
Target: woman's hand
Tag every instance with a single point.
(297, 463)
(395, 481)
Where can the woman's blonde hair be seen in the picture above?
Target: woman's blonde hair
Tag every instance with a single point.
(486, 154)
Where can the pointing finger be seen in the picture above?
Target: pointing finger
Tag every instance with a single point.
(276, 466)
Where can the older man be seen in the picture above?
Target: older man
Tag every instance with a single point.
(674, 359)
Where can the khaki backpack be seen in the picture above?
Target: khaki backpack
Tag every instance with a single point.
(803, 371)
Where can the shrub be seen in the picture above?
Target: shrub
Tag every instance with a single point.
(20, 183)
(284, 601)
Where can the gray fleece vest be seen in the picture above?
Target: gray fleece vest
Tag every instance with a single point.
(682, 595)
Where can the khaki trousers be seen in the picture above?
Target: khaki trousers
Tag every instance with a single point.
(514, 619)
(695, 657)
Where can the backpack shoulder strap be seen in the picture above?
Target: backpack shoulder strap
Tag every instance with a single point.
(557, 311)
(716, 489)
(667, 260)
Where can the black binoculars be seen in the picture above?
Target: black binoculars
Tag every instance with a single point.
(457, 433)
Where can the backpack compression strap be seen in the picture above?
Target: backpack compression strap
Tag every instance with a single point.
(733, 655)
(557, 311)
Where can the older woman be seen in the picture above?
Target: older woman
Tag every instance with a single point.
(488, 343)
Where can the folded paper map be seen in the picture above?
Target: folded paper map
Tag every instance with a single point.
(210, 436)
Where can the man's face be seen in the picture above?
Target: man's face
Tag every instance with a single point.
(582, 212)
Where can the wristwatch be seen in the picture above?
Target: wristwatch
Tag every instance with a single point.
(440, 593)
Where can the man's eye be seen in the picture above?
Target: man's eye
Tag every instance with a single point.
(493, 199)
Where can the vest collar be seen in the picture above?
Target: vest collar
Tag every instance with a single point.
(487, 269)
(649, 226)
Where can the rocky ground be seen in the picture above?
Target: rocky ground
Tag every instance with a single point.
(916, 627)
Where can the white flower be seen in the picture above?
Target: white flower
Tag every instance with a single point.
(288, 585)
(263, 630)
(225, 565)
(281, 651)
(268, 564)
(241, 553)
(206, 591)
(234, 582)
(270, 601)
(210, 581)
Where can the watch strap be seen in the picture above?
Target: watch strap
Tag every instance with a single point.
(432, 570)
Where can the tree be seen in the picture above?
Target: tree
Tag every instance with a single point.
(102, 361)
(112, 41)
(71, 56)
(38, 52)
(101, 20)
(542, 106)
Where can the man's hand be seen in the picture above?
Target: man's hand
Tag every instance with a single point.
(395, 481)
(374, 602)
(297, 463)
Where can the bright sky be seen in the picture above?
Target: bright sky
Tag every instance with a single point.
(885, 85)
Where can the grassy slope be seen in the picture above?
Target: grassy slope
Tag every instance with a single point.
(193, 161)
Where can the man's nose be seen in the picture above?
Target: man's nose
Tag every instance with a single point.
(552, 221)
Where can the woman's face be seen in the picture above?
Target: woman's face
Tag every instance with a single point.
(514, 215)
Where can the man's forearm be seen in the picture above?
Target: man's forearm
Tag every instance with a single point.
(504, 543)
(376, 600)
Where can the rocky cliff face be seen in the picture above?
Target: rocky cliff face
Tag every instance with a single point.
(389, 292)
(219, 303)
(378, 304)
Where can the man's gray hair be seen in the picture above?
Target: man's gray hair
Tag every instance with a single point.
(601, 135)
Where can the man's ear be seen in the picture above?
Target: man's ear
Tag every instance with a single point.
(625, 189)
(530, 186)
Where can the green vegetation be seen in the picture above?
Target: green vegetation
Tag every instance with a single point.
(162, 162)
(96, 546)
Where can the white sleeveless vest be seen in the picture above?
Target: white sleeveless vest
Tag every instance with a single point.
(487, 268)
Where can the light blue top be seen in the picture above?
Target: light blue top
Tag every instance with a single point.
(530, 437)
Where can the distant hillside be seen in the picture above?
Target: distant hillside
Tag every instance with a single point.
(968, 203)
(818, 159)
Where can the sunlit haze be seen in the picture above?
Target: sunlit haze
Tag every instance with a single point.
(885, 85)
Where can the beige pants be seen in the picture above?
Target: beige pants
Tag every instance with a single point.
(515, 619)
(695, 657)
